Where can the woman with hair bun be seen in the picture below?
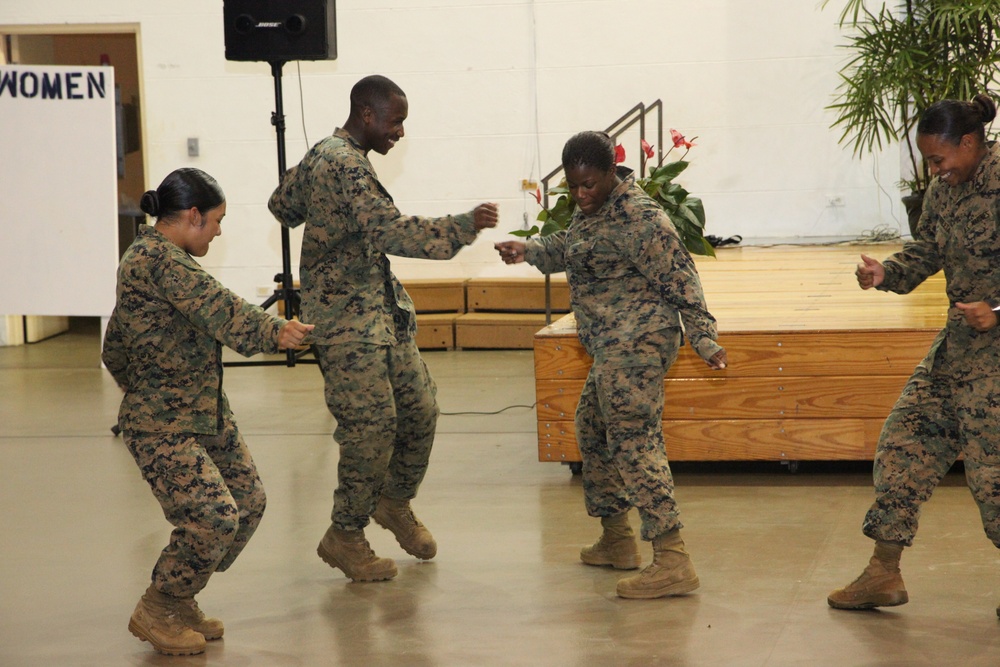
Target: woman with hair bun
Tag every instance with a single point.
(951, 405)
(163, 346)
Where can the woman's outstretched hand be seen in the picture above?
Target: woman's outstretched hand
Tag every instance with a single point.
(511, 252)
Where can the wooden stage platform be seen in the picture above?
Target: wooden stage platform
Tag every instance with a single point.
(815, 362)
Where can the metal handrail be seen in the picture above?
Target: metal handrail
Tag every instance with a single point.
(636, 114)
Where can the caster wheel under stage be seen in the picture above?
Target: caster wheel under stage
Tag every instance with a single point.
(793, 466)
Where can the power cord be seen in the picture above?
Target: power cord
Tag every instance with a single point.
(880, 234)
(302, 105)
(509, 407)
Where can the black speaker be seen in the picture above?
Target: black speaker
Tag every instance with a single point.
(280, 30)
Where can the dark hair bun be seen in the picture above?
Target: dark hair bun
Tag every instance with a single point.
(150, 203)
(987, 107)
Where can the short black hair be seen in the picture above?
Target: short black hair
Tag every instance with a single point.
(180, 190)
(953, 119)
(373, 91)
(589, 149)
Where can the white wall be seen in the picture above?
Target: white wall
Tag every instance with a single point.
(495, 88)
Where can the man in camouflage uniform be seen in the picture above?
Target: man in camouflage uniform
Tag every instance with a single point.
(632, 283)
(377, 386)
(163, 346)
(949, 406)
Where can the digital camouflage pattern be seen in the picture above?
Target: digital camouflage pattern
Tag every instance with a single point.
(383, 398)
(628, 272)
(163, 346)
(619, 427)
(377, 386)
(210, 492)
(959, 233)
(951, 404)
(632, 284)
(348, 289)
(164, 340)
(933, 422)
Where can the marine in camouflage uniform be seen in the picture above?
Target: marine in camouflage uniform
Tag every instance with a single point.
(632, 284)
(163, 346)
(632, 287)
(376, 384)
(950, 404)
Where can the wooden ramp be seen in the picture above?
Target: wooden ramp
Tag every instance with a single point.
(815, 363)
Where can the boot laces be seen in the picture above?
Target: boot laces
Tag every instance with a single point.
(606, 540)
(404, 518)
(173, 621)
(867, 573)
(668, 558)
(189, 607)
(405, 514)
(363, 548)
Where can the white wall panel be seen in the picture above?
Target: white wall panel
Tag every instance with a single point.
(495, 89)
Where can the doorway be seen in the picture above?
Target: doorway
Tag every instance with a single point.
(87, 45)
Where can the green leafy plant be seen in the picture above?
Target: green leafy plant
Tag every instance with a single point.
(904, 58)
(687, 213)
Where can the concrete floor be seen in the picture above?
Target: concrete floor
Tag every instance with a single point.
(79, 532)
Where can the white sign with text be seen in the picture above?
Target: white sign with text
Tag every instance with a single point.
(58, 190)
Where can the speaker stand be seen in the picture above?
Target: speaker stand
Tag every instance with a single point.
(287, 291)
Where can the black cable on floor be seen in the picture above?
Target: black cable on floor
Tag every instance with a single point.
(509, 407)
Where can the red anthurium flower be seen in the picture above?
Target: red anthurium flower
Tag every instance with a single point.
(538, 196)
(647, 149)
(679, 140)
(619, 153)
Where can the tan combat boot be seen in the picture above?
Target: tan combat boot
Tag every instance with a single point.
(616, 546)
(670, 573)
(880, 585)
(350, 551)
(157, 621)
(397, 517)
(193, 617)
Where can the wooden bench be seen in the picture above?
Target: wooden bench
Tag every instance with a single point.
(506, 313)
(438, 302)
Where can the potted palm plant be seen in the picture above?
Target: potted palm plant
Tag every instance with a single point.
(905, 57)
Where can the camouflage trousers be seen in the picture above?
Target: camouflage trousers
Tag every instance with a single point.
(933, 422)
(210, 492)
(619, 428)
(384, 401)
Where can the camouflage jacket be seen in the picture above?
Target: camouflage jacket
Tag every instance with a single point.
(348, 289)
(628, 273)
(959, 232)
(163, 344)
